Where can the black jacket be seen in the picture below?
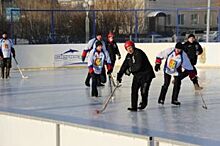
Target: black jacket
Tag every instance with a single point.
(193, 50)
(113, 50)
(138, 64)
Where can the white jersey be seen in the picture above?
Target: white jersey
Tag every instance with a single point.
(97, 60)
(174, 61)
(6, 46)
(92, 46)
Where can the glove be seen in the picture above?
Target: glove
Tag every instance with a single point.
(83, 58)
(109, 67)
(109, 72)
(128, 71)
(119, 79)
(91, 71)
(84, 55)
(157, 67)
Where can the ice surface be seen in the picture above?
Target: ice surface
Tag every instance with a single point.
(61, 95)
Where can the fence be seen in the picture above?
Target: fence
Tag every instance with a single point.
(141, 25)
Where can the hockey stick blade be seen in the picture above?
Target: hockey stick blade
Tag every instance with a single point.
(107, 101)
(24, 77)
(203, 101)
(205, 107)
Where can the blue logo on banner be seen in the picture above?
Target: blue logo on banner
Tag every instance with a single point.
(70, 51)
(69, 58)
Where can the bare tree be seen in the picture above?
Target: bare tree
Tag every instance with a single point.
(120, 21)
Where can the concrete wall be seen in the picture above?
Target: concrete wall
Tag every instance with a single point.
(44, 56)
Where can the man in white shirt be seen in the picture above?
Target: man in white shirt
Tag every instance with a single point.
(6, 52)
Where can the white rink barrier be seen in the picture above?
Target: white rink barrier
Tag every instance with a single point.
(20, 130)
(65, 55)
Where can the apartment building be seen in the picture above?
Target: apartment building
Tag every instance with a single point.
(186, 14)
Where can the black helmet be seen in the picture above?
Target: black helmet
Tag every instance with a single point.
(179, 45)
(191, 35)
(98, 43)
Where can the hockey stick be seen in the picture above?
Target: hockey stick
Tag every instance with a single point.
(203, 101)
(107, 101)
(22, 75)
(112, 80)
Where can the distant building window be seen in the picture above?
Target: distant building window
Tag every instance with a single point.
(168, 17)
(181, 19)
(194, 19)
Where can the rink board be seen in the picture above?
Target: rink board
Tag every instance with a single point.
(57, 104)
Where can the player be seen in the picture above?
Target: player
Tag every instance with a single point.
(96, 62)
(91, 46)
(193, 49)
(6, 52)
(137, 63)
(112, 48)
(176, 60)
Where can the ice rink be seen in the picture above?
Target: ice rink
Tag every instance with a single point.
(61, 95)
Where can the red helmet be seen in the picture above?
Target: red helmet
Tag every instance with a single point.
(128, 44)
(110, 34)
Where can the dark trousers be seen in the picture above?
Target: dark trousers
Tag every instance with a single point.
(5, 64)
(176, 87)
(102, 78)
(185, 74)
(144, 87)
(113, 64)
(95, 79)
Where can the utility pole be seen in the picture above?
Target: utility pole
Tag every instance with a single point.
(208, 21)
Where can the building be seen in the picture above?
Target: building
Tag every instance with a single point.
(188, 15)
(166, 16)
(71, 3)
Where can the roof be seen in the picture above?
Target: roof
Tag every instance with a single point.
(156, 14)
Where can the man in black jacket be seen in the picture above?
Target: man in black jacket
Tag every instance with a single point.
(137, 63)
(112, 48)
(193, 49)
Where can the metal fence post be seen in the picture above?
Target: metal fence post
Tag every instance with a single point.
(136, 26)
(94, 24)
(218, 25)
(57, 134)
(177, 25)
(151, 141)
(52, 26)
(11, 25)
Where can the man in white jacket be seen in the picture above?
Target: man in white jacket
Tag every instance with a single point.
(176, 61)
(7, 51)
(92, 46)
(96, 62)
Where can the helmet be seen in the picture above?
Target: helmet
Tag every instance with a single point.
(128, 44)
(110, 34)
(179, 45)
(98, 33)
(191, 35)
(4, 32)
(98, 43)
